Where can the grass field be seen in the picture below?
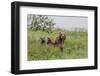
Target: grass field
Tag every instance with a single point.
(75, 46)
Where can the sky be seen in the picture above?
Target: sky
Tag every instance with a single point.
(69, 22)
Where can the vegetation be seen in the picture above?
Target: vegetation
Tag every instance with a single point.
(75, 46)
(41, 23)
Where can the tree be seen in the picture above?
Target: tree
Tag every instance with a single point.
(41, 23)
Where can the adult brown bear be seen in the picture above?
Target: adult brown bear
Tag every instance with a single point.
(59, 41)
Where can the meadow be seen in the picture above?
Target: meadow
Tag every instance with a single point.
(75, 46)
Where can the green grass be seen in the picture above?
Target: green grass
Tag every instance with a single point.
(75, 46)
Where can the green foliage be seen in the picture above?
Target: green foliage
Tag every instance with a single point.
(41, 23)
(75, 46)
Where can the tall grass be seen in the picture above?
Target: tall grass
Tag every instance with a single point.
(75, 46)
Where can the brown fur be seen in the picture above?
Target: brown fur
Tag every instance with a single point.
(49, 41)
(59, 41)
